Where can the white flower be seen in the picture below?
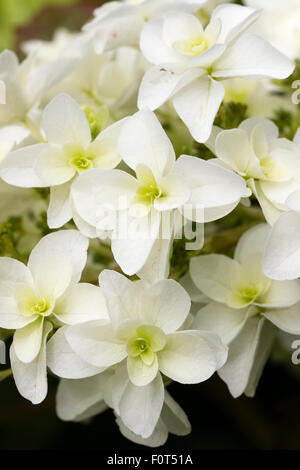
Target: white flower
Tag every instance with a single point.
(78, 400)
(260, 97)
(282, 251)
(162, 187)
(45, 51)
(120, 23)
(269, 164)
(68, 151)
(143, 339)
(40, 295)
(279, 24)
(25, 84)
(246, 308)
(105, 83)
(190, 62)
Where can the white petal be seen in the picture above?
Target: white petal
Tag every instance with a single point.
(161, 82)
(28, 340)
(287, 319)
(97, 195)
(140, 407)
(64, 121)
(224, 321)
(118, 291)
(216, 191)
(132, 252)
(234, 20)
(197, 105)
(139, 373)
(176, 191)
(60, 208)
(270, 211)
(86, 229)
(233, 148)
(31, 378)
(8, 62)
(213, 275)
(53, 167)
(46, 76)
(106, 145)
(153, 45)
(189, 358)
(293, 201)
(96, 343)
(15, 272)
(243, 353)
(195, 294)
(251, 56)
(64, 362)
(282, 253)
(143, 141)
(81, 303)
(251, 242)
(75, 397)
(157, 438)
(18, 167)
(10, 317)
(174, 417)
(263, 351)
(281, 294)
(270, 130)
(157, 266)
(12, 136)
(66, 245)
(170, 305)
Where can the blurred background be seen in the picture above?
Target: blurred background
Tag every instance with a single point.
(269, 421)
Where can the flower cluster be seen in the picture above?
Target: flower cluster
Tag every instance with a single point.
(151, 148)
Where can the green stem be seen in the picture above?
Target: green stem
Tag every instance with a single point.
(4, 374)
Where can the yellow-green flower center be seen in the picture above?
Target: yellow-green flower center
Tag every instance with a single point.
(81, 163)
(146, 341)
(148, 189)
(148, 193)
(138, 346)
(40, 307)
(193, 46)
(249, 293)
(31, 303)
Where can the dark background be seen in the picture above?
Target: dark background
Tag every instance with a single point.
(269, 421)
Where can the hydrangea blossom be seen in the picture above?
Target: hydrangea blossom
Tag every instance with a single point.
(245, 307)
(78, 400)
(278, 16)
(144, 337)
(37, 297)
(281, 257)
(203, 191)
(270, 165)
(67, 152)
(25, 84)
(120, 23)
(189, 62)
